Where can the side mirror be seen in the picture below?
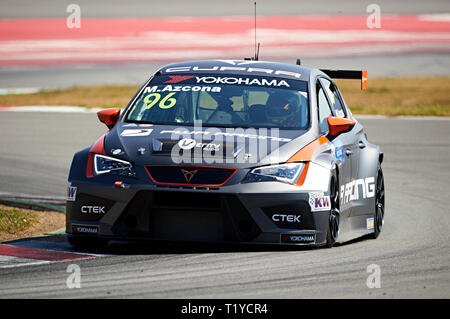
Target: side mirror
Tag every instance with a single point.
(338, 125)
(109, 116)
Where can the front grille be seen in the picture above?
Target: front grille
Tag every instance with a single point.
(187, 200)
(189, 175)
(173, 215)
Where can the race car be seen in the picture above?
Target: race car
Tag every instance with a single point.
(229, 151)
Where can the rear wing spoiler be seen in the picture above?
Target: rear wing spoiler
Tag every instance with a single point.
(348, 74)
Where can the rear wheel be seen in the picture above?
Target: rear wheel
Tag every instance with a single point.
(333, 221)
(378, 218)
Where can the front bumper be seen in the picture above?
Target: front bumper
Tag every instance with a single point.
(198, 214)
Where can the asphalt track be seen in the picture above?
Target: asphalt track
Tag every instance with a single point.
(412, 251)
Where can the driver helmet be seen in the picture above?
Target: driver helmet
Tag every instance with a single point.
(282, 108)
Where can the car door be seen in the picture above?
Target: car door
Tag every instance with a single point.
(363, 184)
(345, 145)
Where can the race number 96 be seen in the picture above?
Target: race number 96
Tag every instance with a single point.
(155, 98)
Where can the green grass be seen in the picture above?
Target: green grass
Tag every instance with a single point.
(384, 96)
(399, 96)
(13, 220)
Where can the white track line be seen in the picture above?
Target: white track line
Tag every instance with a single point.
(12, 262)
(50, 109)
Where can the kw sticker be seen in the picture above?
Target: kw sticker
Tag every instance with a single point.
(71, 193)
(319, 202)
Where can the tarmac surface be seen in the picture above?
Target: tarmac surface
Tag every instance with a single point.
(412, 251)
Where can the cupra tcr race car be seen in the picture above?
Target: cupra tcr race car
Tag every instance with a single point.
(229, 151)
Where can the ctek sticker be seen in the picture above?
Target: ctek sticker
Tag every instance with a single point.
(71, 193)
(93, 209)
(286, 218)
(369, 223)
(319, 202)
(136, 132)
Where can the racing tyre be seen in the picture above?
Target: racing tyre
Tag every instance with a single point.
(88, 243)
(333, 222)
(378, 218)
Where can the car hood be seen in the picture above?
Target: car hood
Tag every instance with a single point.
(147, 144)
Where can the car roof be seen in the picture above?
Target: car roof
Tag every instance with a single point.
(239, 67)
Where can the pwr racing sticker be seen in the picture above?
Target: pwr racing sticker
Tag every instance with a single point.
(357, 189)
(319, 202)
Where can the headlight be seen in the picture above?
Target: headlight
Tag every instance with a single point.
(105, 164)
(285, 173)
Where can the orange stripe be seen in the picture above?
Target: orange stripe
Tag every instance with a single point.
(97, 148)
(305, 154)
(302, 177)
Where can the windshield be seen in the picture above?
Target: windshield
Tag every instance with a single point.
(223, 100)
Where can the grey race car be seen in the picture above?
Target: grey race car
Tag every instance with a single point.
(229, 151)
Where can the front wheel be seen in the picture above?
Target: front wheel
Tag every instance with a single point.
(333, 221)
